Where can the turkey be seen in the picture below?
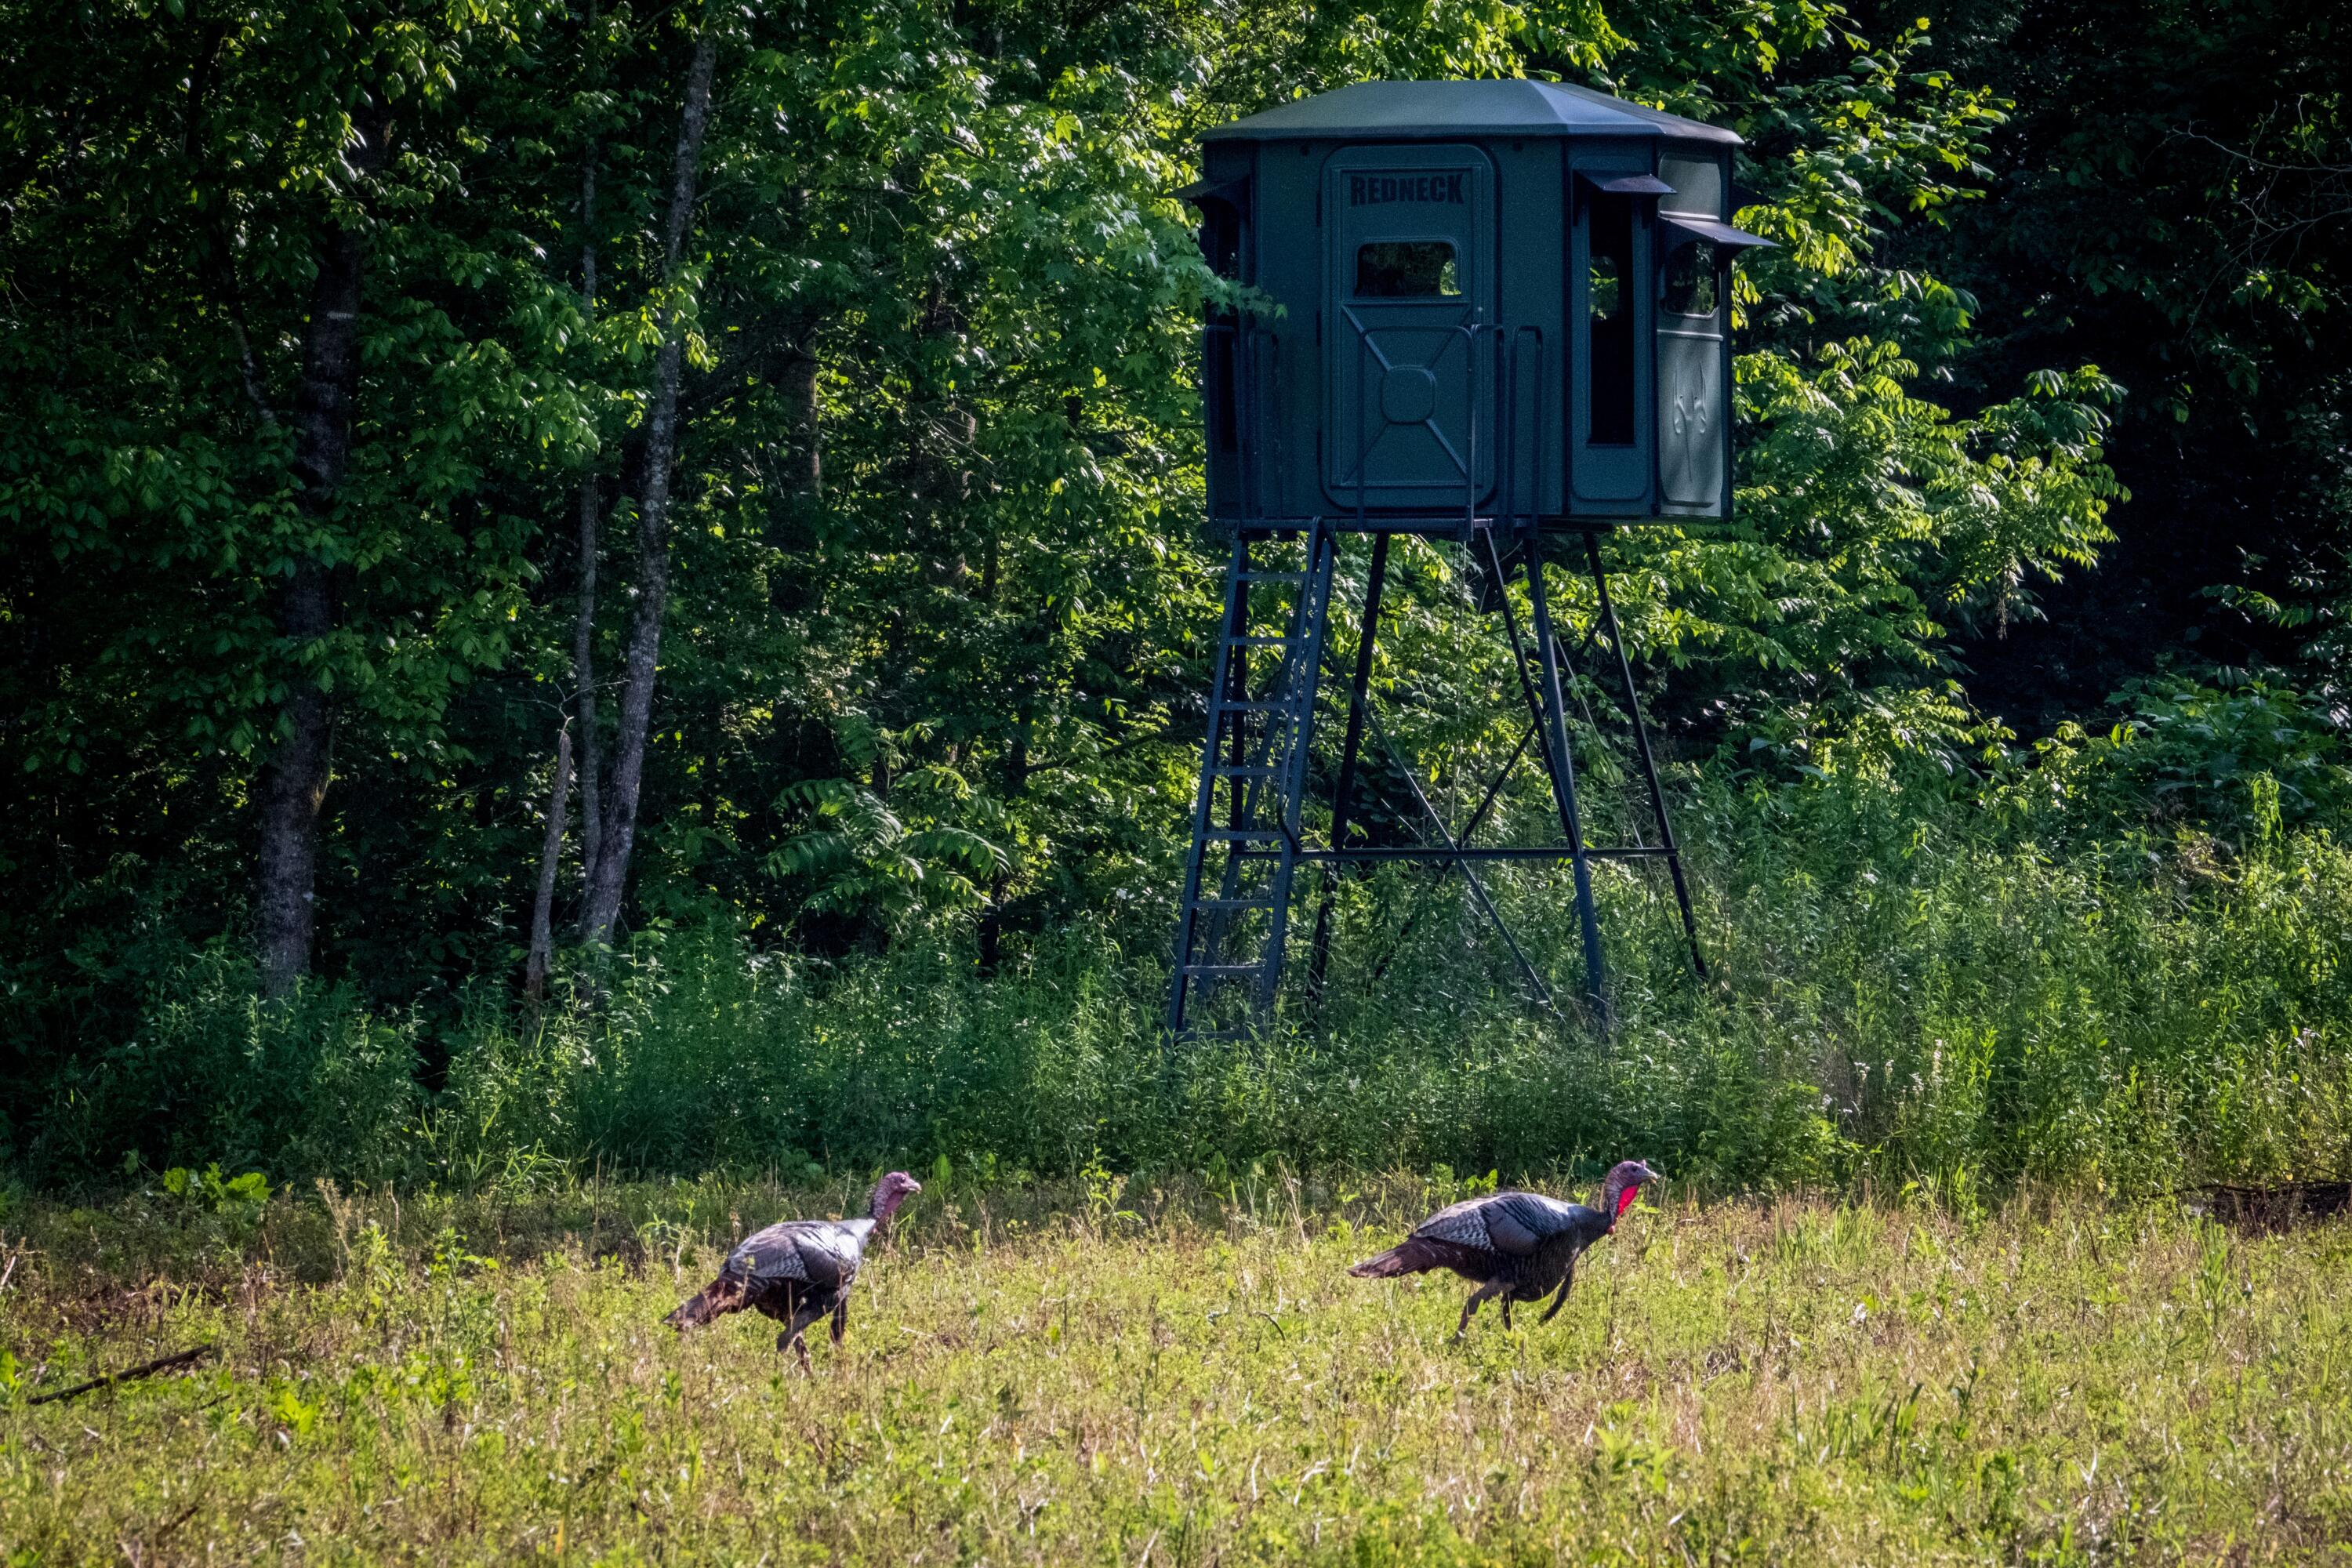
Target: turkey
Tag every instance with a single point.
(798, 1270)
(1517, 1246)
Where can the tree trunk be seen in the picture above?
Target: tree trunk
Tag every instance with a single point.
(551, 857)
(294, 781)
(805, 432)
(583, 627)
(611, 878)
(541, 956)
(583, 694)
(293, 789)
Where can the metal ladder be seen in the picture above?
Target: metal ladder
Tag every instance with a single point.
(1252, 765)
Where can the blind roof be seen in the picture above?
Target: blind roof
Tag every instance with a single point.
(1511, 107)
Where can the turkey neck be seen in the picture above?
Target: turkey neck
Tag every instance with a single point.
(884, 1205)
(1611, 1191)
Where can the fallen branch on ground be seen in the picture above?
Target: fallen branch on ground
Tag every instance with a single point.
(145, 1369)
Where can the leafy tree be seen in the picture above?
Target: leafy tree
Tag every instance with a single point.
(2172, 205)
(773, 430)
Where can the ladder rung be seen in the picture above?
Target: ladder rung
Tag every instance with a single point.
(1224, 968)
(1232, 771)
(1272, 576)
(1267, 642)
(1243, 835)
(1233, 903)
(1254, 705)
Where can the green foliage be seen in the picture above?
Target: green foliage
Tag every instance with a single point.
(927, 713)
(248, 1191)
(2190, 752)
(2173, 208)
(1983, 1002)
(214, 1075)
(1913, 984)
(938, 592)
(866, 859)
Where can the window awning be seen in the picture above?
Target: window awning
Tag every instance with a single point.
(1628, 184)
(1232, 193)
(1722, 234)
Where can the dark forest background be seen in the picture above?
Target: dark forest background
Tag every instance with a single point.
(581, 585)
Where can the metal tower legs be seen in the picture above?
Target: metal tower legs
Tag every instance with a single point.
(1343, 796)
(1264, 782)
(1552, 717)
(1641, 744)
(1255, 756)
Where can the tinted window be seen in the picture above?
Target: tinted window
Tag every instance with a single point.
(1221, 239)
(1407, 269)
(1607, 296)
(1688, 289)
(1697, 182)
(1609, 249)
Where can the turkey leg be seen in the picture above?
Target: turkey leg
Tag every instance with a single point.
(1559, 1295)
(790, 1339)
(840, 1319)
(1491, 1287)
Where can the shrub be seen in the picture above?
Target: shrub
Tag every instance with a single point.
(1905, 989)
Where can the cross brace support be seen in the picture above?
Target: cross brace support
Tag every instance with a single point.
(1262, 784)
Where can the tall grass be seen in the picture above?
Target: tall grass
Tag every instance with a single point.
(1131, 1375)
(1900, 996)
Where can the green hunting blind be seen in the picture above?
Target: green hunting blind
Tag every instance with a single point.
(1503, 297)
(1494, 311)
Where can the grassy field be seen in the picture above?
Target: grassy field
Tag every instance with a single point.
(1108, 1375)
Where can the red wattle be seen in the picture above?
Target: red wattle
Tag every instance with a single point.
(1625, 1201)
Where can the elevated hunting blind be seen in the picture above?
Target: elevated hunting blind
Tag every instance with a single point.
(1480, 311)
(1509, 298)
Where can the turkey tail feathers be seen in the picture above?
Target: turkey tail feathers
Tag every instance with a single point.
(1414, 1255)
(716, 1300)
